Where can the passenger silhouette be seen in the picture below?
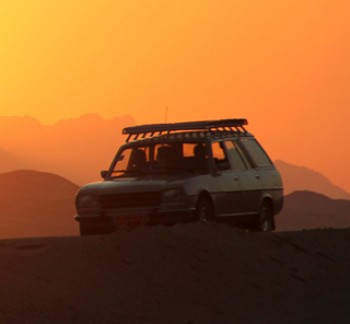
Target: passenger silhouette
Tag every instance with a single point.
(137, 159)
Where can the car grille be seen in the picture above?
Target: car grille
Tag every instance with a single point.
(126, 200)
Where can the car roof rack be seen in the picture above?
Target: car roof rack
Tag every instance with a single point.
(220, 125)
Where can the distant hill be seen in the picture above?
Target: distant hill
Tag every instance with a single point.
(76, 148)
(36, 204)
(297, 178)
(309, 210)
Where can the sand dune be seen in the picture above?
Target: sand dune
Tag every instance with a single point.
(308, 210)
(36, 203)
(196, 273)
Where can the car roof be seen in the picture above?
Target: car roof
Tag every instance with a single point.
(189, 131)
(187, 137)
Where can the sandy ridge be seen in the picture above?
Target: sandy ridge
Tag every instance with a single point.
(197, 273)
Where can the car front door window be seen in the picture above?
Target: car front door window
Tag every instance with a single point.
(220, 157)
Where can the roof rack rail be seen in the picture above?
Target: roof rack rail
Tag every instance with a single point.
(206, 125)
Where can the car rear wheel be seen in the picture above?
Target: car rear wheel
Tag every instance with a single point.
(265, 221)
(204, 210)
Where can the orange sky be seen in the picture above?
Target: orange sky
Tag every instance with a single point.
(282, 64)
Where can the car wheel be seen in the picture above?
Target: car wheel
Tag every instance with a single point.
(265, 221)
(95, 229)
(204, 210)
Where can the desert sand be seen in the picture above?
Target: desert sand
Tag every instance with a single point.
(189, 273)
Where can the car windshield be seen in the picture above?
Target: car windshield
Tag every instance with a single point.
(162, 158)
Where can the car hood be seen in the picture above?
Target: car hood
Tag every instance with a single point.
(134, 184)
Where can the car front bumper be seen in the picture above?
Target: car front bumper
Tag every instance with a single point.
(136, 216)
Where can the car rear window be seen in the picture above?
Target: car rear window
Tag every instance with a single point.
(256, 152)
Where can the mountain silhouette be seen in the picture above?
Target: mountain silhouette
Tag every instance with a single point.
(36, 203)
(297, 178)
(310, 210)
(74, 148)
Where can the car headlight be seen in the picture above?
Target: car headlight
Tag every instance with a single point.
(86, 201)
(175, 195)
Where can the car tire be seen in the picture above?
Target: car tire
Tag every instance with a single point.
(204, 210)
(265, 221)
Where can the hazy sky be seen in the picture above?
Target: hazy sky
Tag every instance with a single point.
(284, 65)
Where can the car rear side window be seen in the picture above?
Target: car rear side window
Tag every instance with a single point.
(234, 156)
(256, 152)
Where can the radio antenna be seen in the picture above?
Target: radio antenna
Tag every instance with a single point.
(166, 115)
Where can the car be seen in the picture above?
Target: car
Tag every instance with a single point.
(168, 173)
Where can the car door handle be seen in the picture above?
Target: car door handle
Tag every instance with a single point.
(257, 176)
(235, 178)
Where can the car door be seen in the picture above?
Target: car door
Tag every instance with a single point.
(228, 190)
(248, 178)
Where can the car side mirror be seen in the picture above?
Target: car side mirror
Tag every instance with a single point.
(104, 174)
